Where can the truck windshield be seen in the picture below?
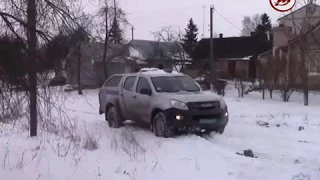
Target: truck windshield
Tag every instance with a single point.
(174, 84)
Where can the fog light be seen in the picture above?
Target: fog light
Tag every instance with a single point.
(178, 117)
(226, 114)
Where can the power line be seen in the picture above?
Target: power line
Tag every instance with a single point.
(166, 10)
(227, 20)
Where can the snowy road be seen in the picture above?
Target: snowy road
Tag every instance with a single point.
(135, 153)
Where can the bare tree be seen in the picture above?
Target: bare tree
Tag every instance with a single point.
(114, 21)
(32, 56)
(249, 24)
(271, 74)
(276, 73)
(177, 56)
(166, 34)
(306, 43)
(34, 24)
(240, 83)
(79, 37)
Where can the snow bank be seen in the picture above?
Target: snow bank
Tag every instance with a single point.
(13, 175)
(133, 152)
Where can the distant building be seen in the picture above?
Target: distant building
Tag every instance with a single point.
(300, 27)
(122, 58)
(235, 56)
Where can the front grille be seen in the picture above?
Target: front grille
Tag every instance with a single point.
(203, 105)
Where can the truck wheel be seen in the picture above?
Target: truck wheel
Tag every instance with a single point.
(161, 127)
(114, 120)
(220, 129)
(100, 111)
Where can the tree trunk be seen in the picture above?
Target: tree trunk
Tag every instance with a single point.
(285, 95)
(270, 91)
(32, 53)
(263, 93)
(306, 89)
(105, 47)
(288, 96)
(243, 88)
(306, 96)
(79, 69)
(304, 75)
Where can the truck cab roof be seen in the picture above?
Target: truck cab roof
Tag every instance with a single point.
(155, 72)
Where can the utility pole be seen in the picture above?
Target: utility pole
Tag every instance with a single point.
(212, 63)
(132, 29)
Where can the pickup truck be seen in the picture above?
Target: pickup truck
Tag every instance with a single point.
(167, 101)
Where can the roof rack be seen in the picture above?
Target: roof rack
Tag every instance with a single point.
(171, 71)
(148, 69)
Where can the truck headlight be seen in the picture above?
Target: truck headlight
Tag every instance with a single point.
(226, 112)
(223, 104)
(179, 105)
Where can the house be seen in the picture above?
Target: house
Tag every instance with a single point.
(310, 43)
(271, 67)
(164, 55)
(297, 34)
(91, 65)
(122, 58)
(301, 19)
(235, 56)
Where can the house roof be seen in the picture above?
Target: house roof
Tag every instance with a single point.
(146, 49)
(231, 47)
(299, 9)
(267, 53)
(271, 51)
(114, 51)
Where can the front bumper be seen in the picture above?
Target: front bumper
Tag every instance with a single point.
(191, 118)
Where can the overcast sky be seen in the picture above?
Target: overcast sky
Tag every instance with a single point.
(150, 15)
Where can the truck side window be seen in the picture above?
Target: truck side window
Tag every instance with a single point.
(129, 83)
(142, 84)
(113, 81)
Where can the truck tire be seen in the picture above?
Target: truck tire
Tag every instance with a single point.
(220, 129)
(100, 111)
(161, 127)
(114, 118)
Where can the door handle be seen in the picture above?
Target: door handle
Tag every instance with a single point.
(134, 97)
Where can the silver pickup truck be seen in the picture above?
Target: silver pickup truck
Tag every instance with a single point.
(167, 101)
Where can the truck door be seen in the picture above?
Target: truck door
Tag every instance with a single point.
(143, 101)
(109, 90)
(129, 96)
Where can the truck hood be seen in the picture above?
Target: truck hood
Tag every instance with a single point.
(194, 96)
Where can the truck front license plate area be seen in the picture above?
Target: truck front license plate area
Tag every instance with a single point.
(208, 121)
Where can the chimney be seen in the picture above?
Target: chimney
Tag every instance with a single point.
(220, 35)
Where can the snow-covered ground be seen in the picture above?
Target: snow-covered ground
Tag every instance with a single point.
(134, 153)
